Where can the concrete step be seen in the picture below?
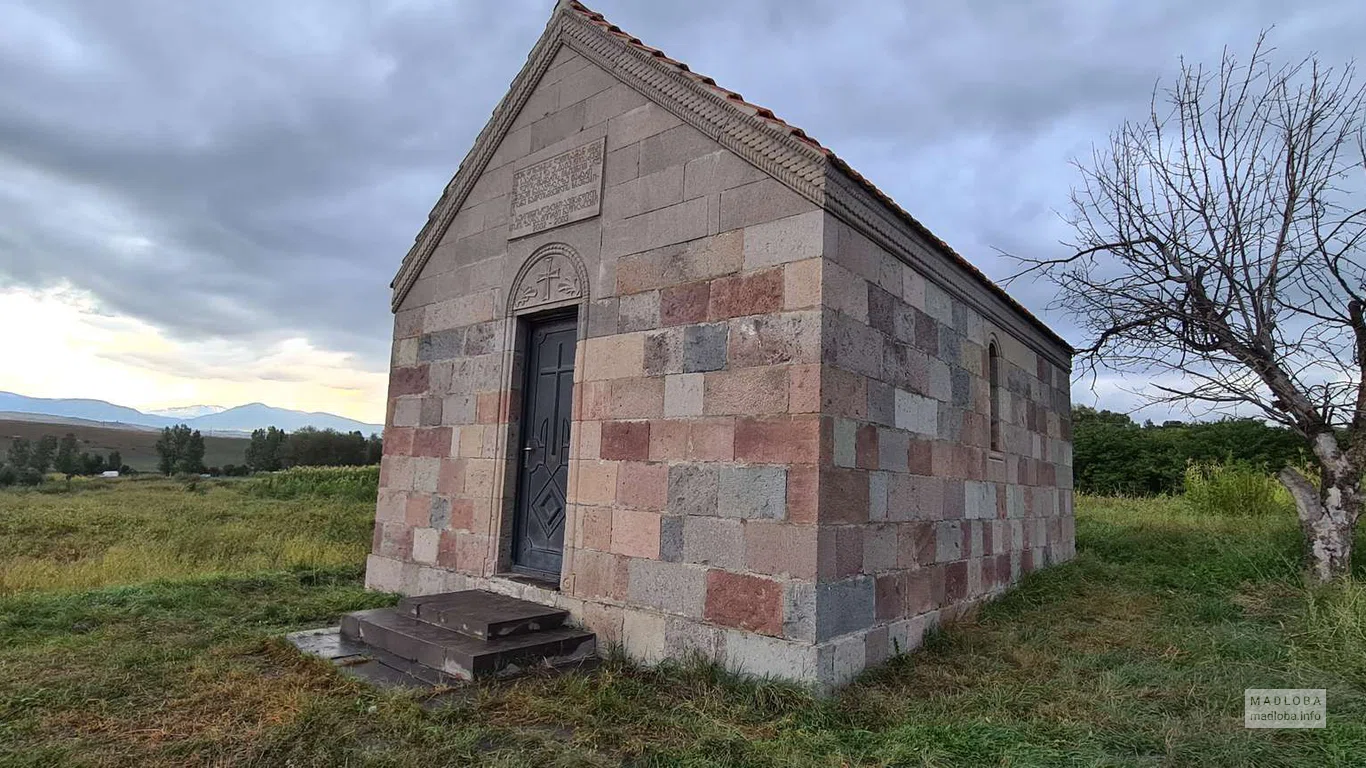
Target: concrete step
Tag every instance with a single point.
(485, 615)
(396, 633)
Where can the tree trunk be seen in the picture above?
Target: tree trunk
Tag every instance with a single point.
(1328, 515)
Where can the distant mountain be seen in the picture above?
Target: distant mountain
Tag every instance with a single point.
(243, 418)
(251, 416)
(187, 411)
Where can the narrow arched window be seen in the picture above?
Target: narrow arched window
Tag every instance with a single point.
(994, 376)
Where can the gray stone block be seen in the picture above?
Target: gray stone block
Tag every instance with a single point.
(638, 312)
(704, 347)
(950, 423)
(684, 638)
(799, 610)
(442, 345)
(844, 606)
(664, 352)
(917, 413)
(484, 339)
(846, 432)
(763, 656)
(960, 381)
(882, 310)
(671, 538)
(980, 500)
(440, 514)
(753, 493)
(714, 541)
(673, 587)
(693, 489)
(950, 345)
(881, 403)
(602, 318)
(948, 541)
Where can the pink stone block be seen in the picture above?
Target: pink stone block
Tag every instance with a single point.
(712, 439)
(635, 533)
(779, 440)
(745, 602)
(669, 440)
(781, 549)
(626, 440)
(642, 485)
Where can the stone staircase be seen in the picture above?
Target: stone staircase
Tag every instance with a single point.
(455, 636)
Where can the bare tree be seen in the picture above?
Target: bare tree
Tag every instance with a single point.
(1219, 253)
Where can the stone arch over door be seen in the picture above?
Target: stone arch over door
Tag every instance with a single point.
(552, 277)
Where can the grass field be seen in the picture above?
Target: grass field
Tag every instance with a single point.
(1135, 654)
(138, 447)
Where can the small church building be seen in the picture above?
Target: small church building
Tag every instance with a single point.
(668, 366)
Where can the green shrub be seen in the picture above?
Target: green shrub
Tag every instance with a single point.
(347, 483)
(1235, 490)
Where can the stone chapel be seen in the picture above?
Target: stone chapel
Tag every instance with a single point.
(675, 377)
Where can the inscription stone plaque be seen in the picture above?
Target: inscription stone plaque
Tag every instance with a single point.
(558, 190)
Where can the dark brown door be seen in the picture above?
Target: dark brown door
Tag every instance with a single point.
(547, 397)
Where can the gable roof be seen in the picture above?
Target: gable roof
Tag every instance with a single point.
(755, 133)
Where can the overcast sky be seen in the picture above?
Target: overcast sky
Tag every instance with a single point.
(205, 202)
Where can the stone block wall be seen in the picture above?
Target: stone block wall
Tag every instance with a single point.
(920, 518)
(781, 433)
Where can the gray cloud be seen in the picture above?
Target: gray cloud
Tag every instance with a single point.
(256, 170)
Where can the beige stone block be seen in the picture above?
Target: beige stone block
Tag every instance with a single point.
(614, 357)
(605, 621)
(716, 172)
(745, 392)
(635, 533)
(642, 636)
(703, 259)
(454, 313)
(802, 284)
(594, 482)
(617, 99)
(426, 474)
(762, 656)
(683, 394)
(755, 203)
(675, 224)
(639, 124)
(844, 291)
(781, 549)
(674, 147)
(789, 239)
(425, 541)
(637, 398)
(407, 412)
(583, 83)
(405, 352)
(644, 194)
(479, 478)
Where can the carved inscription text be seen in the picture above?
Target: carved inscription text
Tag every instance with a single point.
(558, 190)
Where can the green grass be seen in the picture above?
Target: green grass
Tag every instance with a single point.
(351, 483)
(1135, 654)
(128, 531)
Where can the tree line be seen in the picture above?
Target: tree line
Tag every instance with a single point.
(1112, 454)
(27, 461)
(272, 449)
